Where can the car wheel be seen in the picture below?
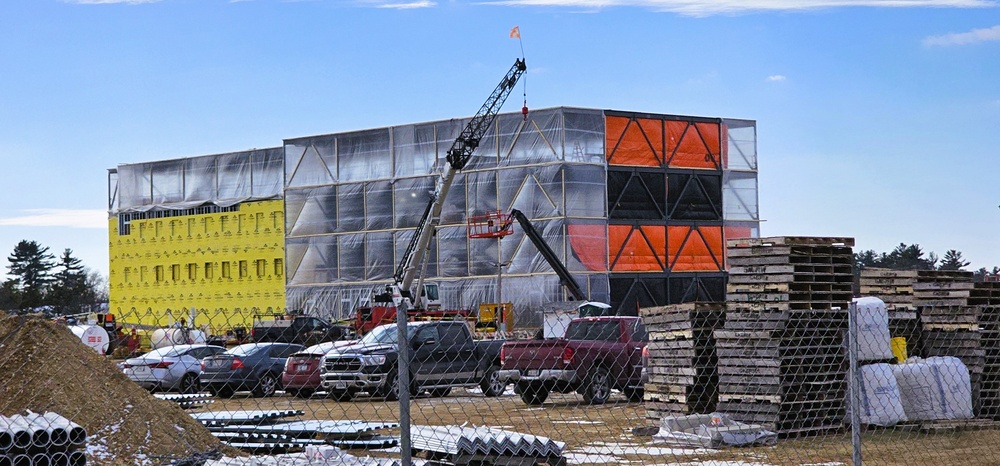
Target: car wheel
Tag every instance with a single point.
(634, 393)
(534, 394)
(598, 388)
(190, 384)
(491, 384)
(390, 390)
(266, 386)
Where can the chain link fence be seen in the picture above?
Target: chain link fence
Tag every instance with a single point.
(791, 370)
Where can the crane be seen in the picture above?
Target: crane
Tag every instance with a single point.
(457, 157)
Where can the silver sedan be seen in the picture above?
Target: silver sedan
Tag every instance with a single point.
(170, 368)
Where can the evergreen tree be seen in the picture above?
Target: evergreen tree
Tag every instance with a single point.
(69, 290)
(953, 261)
(31, 266)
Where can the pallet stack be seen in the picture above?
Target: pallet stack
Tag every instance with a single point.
(682, 363)
(782, 362)
(949, 325)
(986, 296)
(895, 289)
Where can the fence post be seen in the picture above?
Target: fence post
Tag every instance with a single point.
(854, 388)
(403, 373)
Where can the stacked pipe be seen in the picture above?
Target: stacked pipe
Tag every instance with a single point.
(487, 444)
(36, 439)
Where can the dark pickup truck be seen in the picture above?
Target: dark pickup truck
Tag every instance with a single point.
(597, 354)
(443, 355)
(303, 330)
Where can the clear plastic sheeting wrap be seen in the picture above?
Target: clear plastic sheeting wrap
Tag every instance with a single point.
(223, 179)
(550, 166)
(739, 195)
(741, 151)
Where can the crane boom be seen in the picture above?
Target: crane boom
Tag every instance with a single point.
(458, 156)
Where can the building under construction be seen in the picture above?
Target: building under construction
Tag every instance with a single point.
(637, 206)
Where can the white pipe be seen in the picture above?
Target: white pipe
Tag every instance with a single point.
(77, 434)
(77, 458)
(21, 460)
(39, 436)
(19, 435)
(6, 460)
(58, 433)
(40, 459)
(6, 442)
(59, 459)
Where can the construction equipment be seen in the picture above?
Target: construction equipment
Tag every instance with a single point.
(422, 300)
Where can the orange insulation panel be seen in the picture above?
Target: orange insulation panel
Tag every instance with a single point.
(695, 249)
(636, 249)
(634, 141)
(692, 145)
(588, 244)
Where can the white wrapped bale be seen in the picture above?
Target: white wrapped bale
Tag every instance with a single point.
(880, 396)
(935, 388)
(874, 339)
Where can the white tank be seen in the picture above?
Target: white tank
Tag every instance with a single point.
(92, 336)
(163, 337)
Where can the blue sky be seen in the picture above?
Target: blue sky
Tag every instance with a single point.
(877, 119)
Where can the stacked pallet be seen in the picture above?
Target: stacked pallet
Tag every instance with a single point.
(683, 378)
(782, 362)
(986, 296)
(896, 289)
(949, 326)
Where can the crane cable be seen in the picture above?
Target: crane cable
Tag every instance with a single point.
(516, 34)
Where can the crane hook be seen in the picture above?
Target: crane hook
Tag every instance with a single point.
(524, 110)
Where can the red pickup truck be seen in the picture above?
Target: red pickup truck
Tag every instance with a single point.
(597, 354)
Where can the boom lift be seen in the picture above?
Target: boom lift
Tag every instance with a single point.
(422, 300)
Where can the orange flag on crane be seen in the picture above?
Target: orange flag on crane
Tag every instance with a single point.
(515, 33)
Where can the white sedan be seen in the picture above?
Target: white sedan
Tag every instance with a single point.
(171, 367)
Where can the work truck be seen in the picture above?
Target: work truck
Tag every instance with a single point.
(443, 355)
(596, 356)
(301, 329)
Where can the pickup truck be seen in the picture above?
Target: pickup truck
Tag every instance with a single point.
(443, 355)
(303, 330)
(597, 355)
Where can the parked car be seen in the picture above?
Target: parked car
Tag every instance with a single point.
(597, 355)
(301, 375)
(170, 368)
(253, 366)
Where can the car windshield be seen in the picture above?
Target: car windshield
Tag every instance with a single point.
(384, 334)
(245, 350)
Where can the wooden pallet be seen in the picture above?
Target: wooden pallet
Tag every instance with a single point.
(789, 240)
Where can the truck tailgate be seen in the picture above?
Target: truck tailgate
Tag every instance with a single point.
(533, 354)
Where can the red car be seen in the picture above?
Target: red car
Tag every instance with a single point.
(301, 375)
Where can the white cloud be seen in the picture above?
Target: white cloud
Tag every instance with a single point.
(713, 7)
(776, 77)
(964, 38)
(409, 6)
(72, 218)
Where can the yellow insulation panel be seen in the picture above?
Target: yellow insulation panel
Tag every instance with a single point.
(227, 266)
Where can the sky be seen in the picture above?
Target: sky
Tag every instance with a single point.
(876, 119)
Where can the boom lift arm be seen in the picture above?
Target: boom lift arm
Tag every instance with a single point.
(564, 276)
(458, 156)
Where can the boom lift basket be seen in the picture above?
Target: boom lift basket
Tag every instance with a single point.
(494, 224)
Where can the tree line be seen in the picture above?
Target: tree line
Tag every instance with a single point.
(911, 257)
(39, 282)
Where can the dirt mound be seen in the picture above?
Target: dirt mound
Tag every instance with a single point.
(44, 367)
